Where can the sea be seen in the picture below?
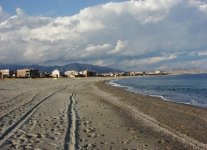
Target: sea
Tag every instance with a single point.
(188, 89)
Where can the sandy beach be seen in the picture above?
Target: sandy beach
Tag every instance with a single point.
(87, 113)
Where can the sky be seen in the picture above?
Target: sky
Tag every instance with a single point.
(50, 8)
(129, 35)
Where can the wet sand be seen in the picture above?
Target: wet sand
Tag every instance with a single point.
(86, 114)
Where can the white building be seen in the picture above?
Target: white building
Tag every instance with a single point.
(157, 72)
(5, 73)
(55, 73)
(71, 73)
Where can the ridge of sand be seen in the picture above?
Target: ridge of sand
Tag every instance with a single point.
(71, 135)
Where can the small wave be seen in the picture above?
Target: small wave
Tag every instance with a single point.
(135, 90)
(114, 84)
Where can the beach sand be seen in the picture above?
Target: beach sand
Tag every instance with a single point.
(87, 113)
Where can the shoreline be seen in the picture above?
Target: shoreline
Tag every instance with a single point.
(189, 121)
(127, 88)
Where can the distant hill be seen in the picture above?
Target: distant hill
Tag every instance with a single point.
(72, 66)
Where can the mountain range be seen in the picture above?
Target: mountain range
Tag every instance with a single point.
(63, 68)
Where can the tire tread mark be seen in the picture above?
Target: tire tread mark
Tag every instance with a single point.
(23, 119)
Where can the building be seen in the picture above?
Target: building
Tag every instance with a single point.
(22, 73)
(27, 73)
(44, 74)
(1, 76)
(6, 73)
(71, 73)
(87, 73)
(157, 72)
(55, 73)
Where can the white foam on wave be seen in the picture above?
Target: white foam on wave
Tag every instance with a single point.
(114, 84)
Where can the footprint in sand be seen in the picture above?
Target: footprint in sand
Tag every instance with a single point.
(83, 140)
(29, 136)
(57, 133)
(55, 123)
(47, 119)
(39, 136)
(93, 135)
(52, 129)
(87, 130)
(41, 124)
(87, 123)
(59, 126)
(87, 146)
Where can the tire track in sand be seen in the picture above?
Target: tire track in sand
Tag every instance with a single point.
(71, 142)
(12, 129)
(13, 98)
(18, 107)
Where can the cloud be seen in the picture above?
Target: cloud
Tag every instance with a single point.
(149, 61)
(201, 5)
(203, 53)
(95, 50)
(126, 35)
(20, 12)
(120, 46)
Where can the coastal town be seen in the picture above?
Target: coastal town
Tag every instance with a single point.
(35, 73)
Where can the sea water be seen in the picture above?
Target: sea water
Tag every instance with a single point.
(188, 89)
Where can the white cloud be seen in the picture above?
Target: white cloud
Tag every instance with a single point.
(203, 53)
(200, 4)
(149, 61)
(119, 34)
(143, 11)
(203, 7)
(102, 63)
(120, 46)
(20, 12)
(95, 50)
